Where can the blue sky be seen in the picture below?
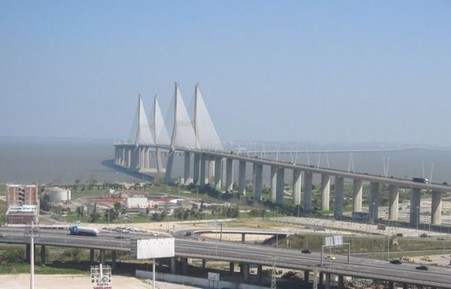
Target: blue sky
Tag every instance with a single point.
(322, 71)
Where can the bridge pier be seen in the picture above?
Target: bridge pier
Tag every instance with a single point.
(169, 165)
(325, 192)
(393, 202)
(187, 166)
(242, 178)
(297, 186)
(102, 255)
(232, 267)
(357, 194)
(341, 282)
(113, 259)
(210, 171)
(91, 256)
(339, 197)
(415, 207)
(173, 265)
(43, 254)
(306, 275)
(204, 263)
(27, 252)
(243, 237)
(373, 210)
(184, 262)
(244, 270)
(229, 175)
(436, 208)
(259, 272)
(273, 184)
(196, 168)
(308, 182)
(203, 160)
(218, 174)
(280, 185)
(258, 181)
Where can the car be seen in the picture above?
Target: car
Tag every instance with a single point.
(330, 257)
(396, 262)
(422, 267)
(306, 251)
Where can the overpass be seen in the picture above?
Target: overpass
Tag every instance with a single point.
(435, 277)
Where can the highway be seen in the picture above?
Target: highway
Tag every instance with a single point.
(237, 252)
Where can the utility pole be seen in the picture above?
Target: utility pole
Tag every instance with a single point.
(32, 229)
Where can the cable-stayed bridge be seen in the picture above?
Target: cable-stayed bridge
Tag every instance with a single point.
(151, 149)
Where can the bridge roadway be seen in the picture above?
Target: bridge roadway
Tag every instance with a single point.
(402, 183)
(438, 277)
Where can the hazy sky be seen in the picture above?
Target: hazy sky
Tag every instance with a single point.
(327, 71)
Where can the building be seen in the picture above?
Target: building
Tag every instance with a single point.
(58, 195)
(23, 214)
(137, 203)
(18, 195)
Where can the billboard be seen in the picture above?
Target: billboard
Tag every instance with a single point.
(333, 240)
(153, 248)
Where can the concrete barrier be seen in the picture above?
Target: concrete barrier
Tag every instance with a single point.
(194, 281)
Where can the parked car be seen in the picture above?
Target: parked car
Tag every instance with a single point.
(422, 267)
(396, 262)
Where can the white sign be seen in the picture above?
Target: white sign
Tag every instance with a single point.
(154, 248)
(329, 241)
(333, 240)
(213, 276)
(338, 240)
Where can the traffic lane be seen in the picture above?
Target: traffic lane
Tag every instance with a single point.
(259, 257)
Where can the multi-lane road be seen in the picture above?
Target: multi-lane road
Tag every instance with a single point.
(439, 277)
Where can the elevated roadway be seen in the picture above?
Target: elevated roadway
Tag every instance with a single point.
(438, 277)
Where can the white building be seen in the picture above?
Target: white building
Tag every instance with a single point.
(137, 203)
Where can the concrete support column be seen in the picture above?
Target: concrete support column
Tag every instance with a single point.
(184, 262)
(308, 182)
(245, 271)
(393, 202)
(258, 181)
(415, 207)
(203, 162)
(327, 281)
(232, 267)
(129, 158)
(391, 285)
(243, 237)
(339, 197)
(259, 272)
(204, 263)
(325, 192)
(273, 184)
(102, 256)
(280, 185)
(43, 254)
(187, 168)
(306, 275)
(173, 265)
(229, 175)
(357, 194)
(242, 178)
(218, 174)
(297, 186)
(91, 256)
(341, 282)
(113, 259)
(196, 168)
(436, 210)
(27, 252)
(373, 210)
(210, 171)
